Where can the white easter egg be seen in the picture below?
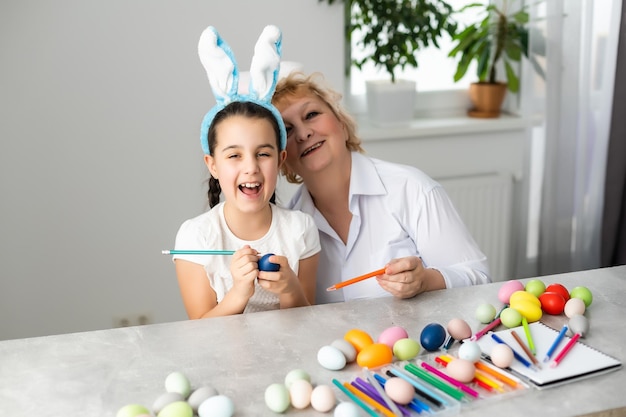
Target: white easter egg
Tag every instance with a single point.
(331, 358)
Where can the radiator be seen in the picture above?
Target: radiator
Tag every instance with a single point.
(485, 204)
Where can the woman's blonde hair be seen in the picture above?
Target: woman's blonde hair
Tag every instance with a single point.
(298, 85)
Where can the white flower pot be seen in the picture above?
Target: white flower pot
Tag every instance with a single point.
(390, 103)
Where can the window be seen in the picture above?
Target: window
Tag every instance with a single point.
(436, 70)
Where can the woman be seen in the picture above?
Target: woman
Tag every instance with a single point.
(370, 213)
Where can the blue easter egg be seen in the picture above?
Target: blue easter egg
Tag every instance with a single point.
(432, 336)
(266, 265)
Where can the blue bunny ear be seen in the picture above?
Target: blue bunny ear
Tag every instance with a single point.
(219, 62)
(265, 64)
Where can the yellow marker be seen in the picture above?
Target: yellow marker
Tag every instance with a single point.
(482, 377)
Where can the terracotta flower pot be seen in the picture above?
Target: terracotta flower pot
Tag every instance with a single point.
(487, 99)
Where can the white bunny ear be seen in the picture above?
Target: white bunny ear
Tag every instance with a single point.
(265, 64)
(219, 62)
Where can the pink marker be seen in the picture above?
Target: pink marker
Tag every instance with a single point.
(487, 328)
(451, 380)
(566, 349)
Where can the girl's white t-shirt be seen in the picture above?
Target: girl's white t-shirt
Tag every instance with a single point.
(292, 234)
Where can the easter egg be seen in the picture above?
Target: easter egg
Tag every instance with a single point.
(177, 382)
(294, 375)
(266, 265)
(528, 309)
(432, 336)
(132, 410)
(375, 355)
(200, 395)
(574, 306)
(399, 390)
(510, 317)
(470, 351)
(461, 370)
(406, 349)
(348, 350)
(583, 293)
(552, 302)
(518, 296)
(527, 304)
(322, 398)
(535, 286)
(558, 288)
(277, 398)
(578, 324)
(300, 393)
(391, 335)
(216, 406)
(459, 329)
(165, 399)
(508, 288)
(176, 409)
(347, 409)
(331, 358)
(485, 313)
(501, 355)
(358, 338)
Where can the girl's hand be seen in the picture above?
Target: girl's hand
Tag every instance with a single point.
(284, 283)
(244, 269)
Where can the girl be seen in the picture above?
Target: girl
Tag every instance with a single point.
(244, 150)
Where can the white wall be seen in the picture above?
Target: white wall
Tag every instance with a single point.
(100, 160)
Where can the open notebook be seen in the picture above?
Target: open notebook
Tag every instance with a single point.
(580, 362)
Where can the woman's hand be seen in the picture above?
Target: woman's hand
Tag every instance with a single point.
(407, 277)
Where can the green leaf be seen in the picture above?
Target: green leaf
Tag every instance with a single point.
(511, 77)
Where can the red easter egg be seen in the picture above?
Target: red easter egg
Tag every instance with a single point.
(552, 302)
(558, 288)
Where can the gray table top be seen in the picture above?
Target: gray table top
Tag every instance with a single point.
(95, 373)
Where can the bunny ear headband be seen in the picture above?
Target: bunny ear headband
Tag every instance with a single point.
(219, 62)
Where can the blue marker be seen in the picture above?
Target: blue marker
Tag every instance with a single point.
(517, 355)
(556, 342)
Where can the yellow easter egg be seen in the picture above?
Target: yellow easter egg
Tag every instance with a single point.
(528, 309)
(524, 296)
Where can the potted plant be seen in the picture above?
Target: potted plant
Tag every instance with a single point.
(498, 40)
(394, 31)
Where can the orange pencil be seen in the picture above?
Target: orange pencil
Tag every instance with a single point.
(369, 400)
(499, 375)
(354, 280)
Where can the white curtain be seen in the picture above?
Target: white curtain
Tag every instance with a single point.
(571, 107)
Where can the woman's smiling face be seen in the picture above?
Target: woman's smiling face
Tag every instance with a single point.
(246, 161)
(314, 134)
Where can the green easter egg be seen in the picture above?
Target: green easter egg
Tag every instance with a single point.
(583, 293)
(535, 286)
(132, 410)
(296, 374)
(485, 313)
(406, 349)
(177, 382)
(176, 409)
(511, 317)
(277, 398)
